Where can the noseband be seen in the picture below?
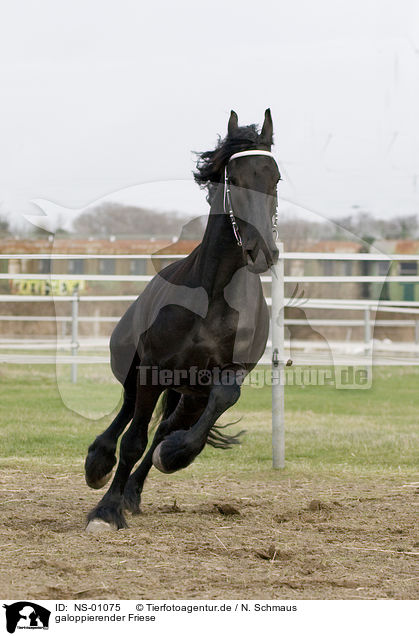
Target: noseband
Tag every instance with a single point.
(228, 206)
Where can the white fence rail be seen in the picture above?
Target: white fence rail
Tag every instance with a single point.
(278, 303)
(364, 305)
(322, 256)
(143, 278)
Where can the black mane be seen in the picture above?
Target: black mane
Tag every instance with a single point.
(210, 164)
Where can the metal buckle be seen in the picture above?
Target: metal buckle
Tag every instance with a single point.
(275, 224)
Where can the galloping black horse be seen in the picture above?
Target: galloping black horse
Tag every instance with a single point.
(197, 329)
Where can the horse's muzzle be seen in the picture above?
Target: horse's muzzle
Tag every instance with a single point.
(263, 260)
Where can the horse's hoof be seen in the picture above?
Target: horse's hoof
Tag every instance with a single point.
(133, 508)
(100, 482)
(98, 526)
(157, 462)
(131, 502)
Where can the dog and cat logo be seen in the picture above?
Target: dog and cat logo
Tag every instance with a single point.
(26, 615)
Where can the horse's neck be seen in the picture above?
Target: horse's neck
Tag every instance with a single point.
(220, 256)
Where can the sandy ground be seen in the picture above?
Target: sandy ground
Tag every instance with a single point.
(288, 539)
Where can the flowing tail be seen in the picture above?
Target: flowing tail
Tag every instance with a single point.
(218, 439)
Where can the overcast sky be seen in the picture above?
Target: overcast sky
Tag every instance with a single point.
(99, 97)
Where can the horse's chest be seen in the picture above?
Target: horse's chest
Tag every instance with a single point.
(229, 334)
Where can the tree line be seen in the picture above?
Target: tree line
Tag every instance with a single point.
(115, 219)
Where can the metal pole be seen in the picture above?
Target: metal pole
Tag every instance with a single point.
(96, 324)
(416, 331)
(74, 334)
(278, 362)
(367, 330)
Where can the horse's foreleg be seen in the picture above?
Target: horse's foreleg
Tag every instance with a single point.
(108, 513)
(187, 412)
(100, 457)
(180, 448)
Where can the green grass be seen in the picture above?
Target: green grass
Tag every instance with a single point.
(359, 431)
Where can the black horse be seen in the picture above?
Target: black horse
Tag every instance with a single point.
(197, 329)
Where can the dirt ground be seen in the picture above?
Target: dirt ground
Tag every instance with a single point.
(292, 539)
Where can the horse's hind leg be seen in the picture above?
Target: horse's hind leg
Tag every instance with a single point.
(108, 513)
(180, 448)
(185, 414)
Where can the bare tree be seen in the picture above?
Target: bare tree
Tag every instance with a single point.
(115, 219)
(4, 226)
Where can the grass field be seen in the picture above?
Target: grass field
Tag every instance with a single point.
(354, 453)
(371, 431)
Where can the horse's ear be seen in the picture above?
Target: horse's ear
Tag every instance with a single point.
(266, 135)
(233, 122)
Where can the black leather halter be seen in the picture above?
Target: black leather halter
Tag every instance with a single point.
(228, 206)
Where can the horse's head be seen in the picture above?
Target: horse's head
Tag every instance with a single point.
(243, 171)
(251, 178)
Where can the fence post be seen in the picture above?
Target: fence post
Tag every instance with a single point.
(74, 334)
(416, 331)
(278, 362)
(96, 324)
(367, 330)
